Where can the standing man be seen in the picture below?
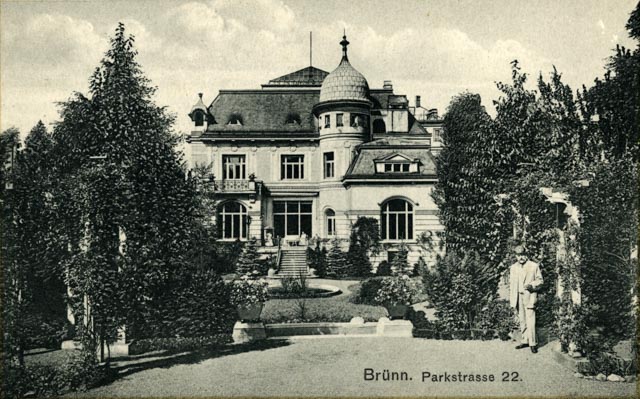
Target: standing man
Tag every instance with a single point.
(525, 278)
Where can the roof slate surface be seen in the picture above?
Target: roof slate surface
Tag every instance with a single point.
(264, 110)
(364, 164)
(309, 76)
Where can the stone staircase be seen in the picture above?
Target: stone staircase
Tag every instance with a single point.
(293, 262)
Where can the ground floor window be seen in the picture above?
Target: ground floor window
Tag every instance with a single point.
(232, 220)
(397, 220)
(330, 216)
(292, 218)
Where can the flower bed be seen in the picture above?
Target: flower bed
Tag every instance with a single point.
(318, 310)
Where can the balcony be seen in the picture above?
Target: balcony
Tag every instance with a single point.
(238, 186)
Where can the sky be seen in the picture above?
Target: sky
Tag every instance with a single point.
(435, 49)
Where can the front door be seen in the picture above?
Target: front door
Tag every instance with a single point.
(292, 218)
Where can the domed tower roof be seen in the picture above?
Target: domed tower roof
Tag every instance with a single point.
(345, 82)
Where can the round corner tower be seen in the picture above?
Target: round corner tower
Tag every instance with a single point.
(343, 112)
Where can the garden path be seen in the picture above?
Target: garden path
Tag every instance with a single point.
(335, 367)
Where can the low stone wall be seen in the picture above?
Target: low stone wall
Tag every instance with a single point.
(248, 332)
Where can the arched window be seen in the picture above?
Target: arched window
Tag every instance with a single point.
(330, 222)
(379, 126)
(232, 219)
(397, 220)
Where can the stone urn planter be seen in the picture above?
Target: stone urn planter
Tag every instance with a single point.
(250, 313)
(396, 310)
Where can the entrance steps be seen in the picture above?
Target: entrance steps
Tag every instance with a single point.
(293, 262)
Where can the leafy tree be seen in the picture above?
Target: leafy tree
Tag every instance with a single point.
(468, 180)
(129, 210)
(9, 145)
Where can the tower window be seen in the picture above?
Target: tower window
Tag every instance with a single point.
(358, 121)
(329, 165)
(339, 120)
(327, 121)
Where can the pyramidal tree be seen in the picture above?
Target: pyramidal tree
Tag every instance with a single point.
(125, 207)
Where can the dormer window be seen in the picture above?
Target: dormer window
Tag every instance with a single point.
(199, 118)
(235, 119)
(397, 163)
(293, 119)
(396, 167)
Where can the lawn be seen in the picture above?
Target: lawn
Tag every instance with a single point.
(332, 309)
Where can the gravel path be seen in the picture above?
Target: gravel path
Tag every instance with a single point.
(336, 367)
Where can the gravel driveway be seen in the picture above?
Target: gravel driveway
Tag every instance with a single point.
(336, 367)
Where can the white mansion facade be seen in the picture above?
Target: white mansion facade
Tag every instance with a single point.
(312, 151)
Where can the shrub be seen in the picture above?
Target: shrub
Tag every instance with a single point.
(317, 259)
(399, 264)
(367, 291)
(248, 260)
(365, 238)
(384, 269)
(336, 261)
(608, 363)
(499, 317)
(318, 310)
(397, 290)
(456, 290)
(263, 265)
(247, 291)
(181, 344)
(294, 285)
(78, 373)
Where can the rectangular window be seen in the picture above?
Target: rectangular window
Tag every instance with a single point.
(396, 167)
(292, 167)
(233, 167)
(329, 165)
(331, 225)
(327, 121)
(292, 218)
(358, 120)
(339, 120)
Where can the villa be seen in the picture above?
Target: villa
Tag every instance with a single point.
(311, 151)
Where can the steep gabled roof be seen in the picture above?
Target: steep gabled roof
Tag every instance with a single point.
(309, 76)
(264, 111)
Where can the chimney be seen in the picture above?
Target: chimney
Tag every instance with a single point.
(387, 85)
(417, 101)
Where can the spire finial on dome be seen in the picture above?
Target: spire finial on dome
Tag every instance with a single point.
(344, 43)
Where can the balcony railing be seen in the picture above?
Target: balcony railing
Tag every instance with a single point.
(237, 186)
